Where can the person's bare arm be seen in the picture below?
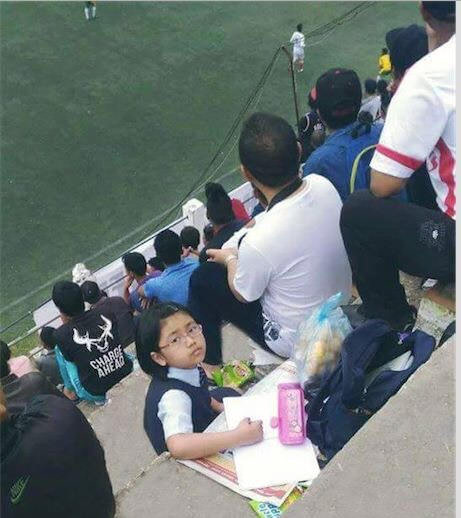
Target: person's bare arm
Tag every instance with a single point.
(384, 185)
(190, 446)
(126, 288)
(227, 257)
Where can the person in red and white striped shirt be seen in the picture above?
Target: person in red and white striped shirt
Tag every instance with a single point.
(383, 235)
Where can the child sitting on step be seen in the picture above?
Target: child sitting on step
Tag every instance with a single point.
(170, 347)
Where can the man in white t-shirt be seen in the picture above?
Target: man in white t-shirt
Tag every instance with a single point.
(383, 235)
(298, 41)
(288, 263)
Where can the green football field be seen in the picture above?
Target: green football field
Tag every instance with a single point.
(106, 125)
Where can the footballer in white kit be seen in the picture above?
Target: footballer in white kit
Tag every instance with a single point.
(298, 41)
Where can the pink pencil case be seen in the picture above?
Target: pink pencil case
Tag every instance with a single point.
(291, 420)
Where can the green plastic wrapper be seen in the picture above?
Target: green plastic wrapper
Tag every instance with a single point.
(233, 374)
(265, 510)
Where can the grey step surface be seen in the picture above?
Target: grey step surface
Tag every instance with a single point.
(169, 490)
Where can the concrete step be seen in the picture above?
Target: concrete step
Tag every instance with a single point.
(437, 310)
(402, 462)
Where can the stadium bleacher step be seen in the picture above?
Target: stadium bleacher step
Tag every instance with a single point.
(437, 310)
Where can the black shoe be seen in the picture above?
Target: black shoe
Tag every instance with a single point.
(406, 322)
(354, 314)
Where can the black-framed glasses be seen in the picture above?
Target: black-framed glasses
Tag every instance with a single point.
(180, 340)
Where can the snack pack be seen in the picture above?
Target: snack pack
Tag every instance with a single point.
(233, 374)
(266, 510)
(319, 341)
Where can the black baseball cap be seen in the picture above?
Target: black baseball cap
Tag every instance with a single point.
(406, 45)
(338, 95)
(91, 292)
(443, 11)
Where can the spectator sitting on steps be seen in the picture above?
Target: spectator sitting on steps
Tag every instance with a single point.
(173, 283)
(190, 239)
(288, 263)
(338, 96)
(47, 360)
(136, 270)
(90, 340)
(220, 214)
(385, 235)
(114, 305)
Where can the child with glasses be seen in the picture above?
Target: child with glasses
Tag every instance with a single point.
(170, 347)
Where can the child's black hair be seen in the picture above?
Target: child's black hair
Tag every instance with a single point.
(47, 337)
(156, 263)
(148, 336)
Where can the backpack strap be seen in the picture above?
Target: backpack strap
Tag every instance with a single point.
(355, 166)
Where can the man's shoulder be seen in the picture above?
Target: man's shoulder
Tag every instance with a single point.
(431, 68)
(190, 264)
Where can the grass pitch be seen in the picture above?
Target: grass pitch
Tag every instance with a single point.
(106, 124)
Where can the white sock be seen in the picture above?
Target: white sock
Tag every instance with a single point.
(93, 11)
(87, 13)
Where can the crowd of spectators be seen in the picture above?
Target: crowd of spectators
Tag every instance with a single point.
(332, 210)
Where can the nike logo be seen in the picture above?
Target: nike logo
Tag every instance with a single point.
(17, 489)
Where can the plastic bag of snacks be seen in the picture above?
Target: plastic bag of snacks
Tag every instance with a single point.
(233, 374)
(319, 341)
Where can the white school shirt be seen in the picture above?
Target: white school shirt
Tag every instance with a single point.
(298, 41)
(293, 259)
(175, 406)
(421, 125)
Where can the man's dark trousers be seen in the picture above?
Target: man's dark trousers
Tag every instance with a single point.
(212, 302)
(383, 236)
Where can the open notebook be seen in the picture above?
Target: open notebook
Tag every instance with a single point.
(268, 463)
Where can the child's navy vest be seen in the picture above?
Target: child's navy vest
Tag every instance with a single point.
(202, 413)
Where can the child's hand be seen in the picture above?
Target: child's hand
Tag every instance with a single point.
(249, 432)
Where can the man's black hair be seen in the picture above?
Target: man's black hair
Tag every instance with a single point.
(91, 292)
(370, 86)
(384, 51)
(168, 247)
(147, 338)
(68, 298)
(135, 262)
(47, 337)
(299, 27)
(156, 263)
(268, 148)
(190, 237)
(5, 355)
(218, 204)
(442, 11)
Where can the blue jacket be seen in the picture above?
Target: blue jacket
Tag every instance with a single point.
(335, 157)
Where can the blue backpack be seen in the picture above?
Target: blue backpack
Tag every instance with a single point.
(362, 382)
